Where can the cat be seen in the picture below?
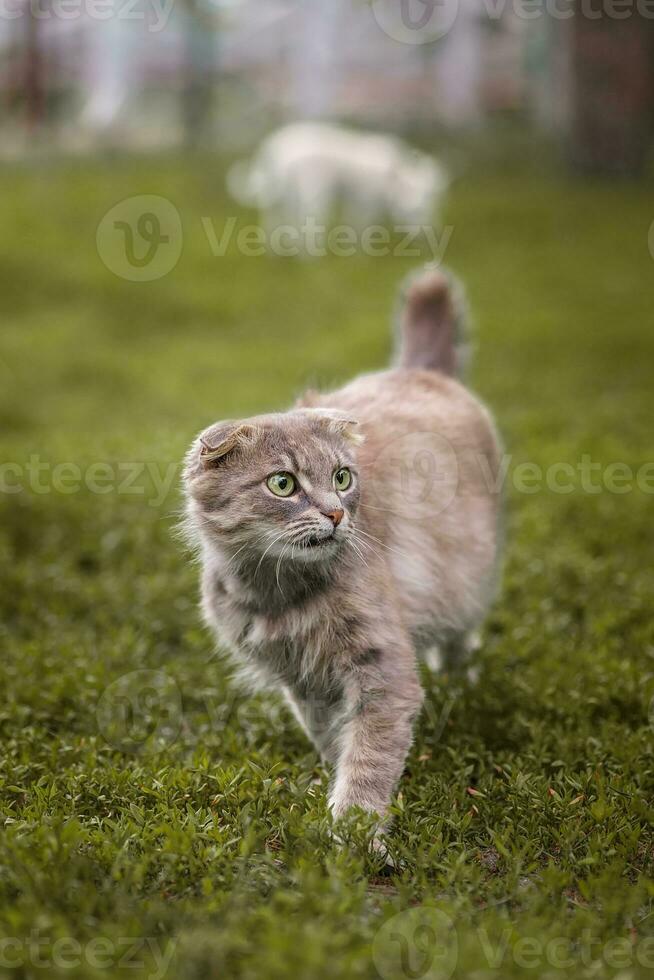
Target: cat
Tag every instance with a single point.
(304, 169)
(346, 537)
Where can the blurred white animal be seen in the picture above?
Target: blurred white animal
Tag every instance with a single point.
(305, 170)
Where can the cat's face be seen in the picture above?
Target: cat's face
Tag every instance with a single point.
(283, 486)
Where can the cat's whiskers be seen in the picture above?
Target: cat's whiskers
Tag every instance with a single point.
(351, 541)
(384, 510)
(290, 544)
(242, 548)
(277, 538)
(402, 554)
(365, 544)
(382, 557)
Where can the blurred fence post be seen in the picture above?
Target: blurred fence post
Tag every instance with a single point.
(199, 68)
(612, 90)
(34, 69)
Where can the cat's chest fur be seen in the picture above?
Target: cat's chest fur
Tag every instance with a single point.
(309, 642)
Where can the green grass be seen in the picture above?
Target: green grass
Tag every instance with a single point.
(195, 827)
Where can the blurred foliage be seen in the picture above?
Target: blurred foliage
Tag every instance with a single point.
(526, 810)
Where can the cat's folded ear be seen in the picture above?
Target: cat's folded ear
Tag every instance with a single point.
(217, 442)
(222, 438)
(337, 421)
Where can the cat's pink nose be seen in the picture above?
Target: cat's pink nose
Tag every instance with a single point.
(335, 516)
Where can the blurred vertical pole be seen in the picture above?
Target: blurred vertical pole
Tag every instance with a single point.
(317, 42)
(199, 70)
(109, 78)
(612, 89)
(34, 70)
(458, 62)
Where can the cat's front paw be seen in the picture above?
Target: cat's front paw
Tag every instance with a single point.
(378, 846)
(341, 804)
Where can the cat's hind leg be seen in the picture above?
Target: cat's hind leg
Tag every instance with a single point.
(454, 654)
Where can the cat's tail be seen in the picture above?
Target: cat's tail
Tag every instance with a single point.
(433, 320)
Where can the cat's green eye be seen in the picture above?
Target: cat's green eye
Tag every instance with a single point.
(342, 478)
(281, 484)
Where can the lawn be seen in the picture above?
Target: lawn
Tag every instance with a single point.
(157, 823)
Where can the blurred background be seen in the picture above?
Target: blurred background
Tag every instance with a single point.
(80, 76)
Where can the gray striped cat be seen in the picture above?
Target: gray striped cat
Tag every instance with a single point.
(346, 537)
